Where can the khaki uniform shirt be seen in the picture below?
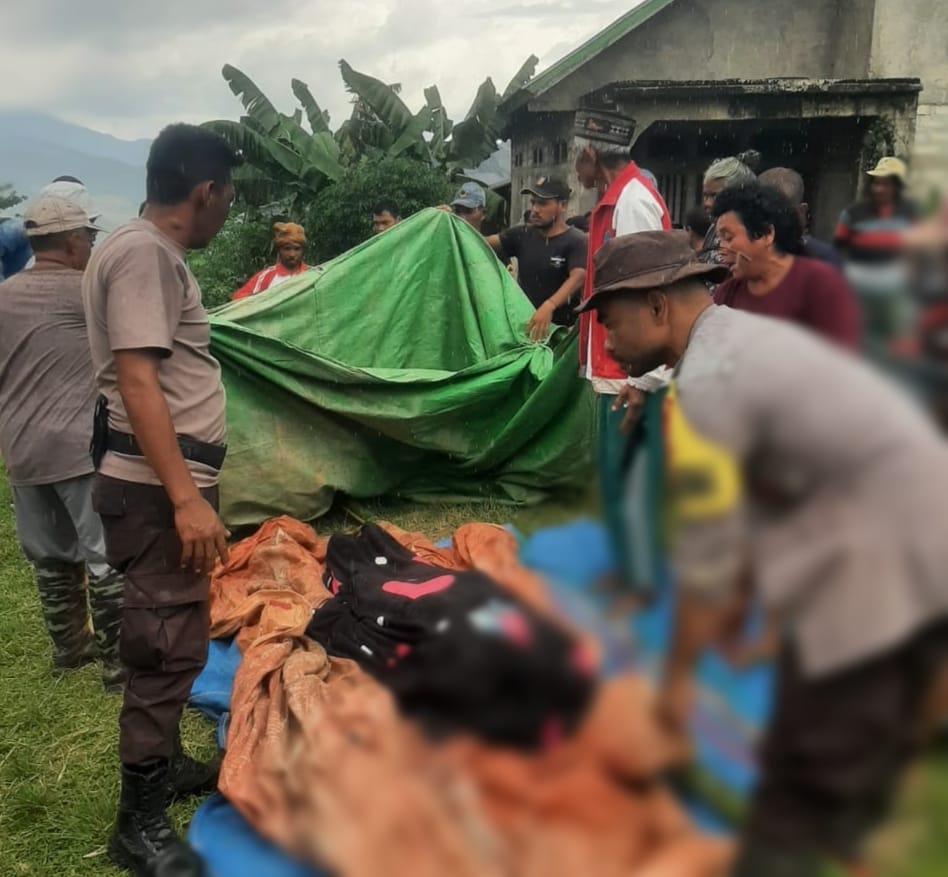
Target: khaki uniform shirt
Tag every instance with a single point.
(139, 294)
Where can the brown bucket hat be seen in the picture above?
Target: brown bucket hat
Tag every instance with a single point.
(647, 260)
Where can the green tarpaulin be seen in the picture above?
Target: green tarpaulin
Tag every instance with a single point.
(400, 368)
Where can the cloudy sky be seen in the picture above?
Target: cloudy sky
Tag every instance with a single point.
(128, 67)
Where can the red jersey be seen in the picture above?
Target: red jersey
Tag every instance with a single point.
(267, 279)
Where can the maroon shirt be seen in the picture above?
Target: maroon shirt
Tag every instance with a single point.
(812, 294)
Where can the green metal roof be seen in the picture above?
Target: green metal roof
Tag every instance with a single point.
(595, 46)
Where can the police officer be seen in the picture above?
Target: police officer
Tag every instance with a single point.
(156, 488)
(828, 506)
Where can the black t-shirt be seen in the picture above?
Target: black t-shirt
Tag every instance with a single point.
(545, 263)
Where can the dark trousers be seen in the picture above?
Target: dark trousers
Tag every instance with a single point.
(165, 618)
(833, 756)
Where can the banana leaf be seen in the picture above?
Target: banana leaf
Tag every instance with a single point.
(255, 102)
(260, 150)
(381, 98)
(318, 118)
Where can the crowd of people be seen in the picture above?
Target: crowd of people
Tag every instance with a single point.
(793, 475)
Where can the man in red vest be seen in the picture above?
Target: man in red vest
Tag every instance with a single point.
(628, 203)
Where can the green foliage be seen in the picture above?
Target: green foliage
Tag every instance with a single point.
(878, 141)
(241, 249)
(287, 164)
(9, 197)
(341, 216)
(331, 181)
(284, 163)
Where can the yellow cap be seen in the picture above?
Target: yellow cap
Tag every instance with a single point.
(890, 167)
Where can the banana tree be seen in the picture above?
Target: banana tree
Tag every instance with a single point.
(383, 123)
(289, 164)
(284, 161)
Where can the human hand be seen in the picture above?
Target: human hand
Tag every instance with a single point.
(539, 325)
(632, 399)
(203, 536)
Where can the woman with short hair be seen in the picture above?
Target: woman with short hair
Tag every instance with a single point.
(761, 239)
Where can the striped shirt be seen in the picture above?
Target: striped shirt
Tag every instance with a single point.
(874, 237)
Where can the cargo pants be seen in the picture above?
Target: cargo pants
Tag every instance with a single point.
(165, 617)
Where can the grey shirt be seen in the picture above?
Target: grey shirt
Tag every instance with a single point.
(843, 496)
(47, 390)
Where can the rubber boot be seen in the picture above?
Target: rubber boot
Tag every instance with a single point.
(188, 776)
(105, 605)
(62, 593)
(143, 840)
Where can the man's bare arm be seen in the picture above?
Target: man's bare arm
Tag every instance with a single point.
(697, 624)
(539, 325)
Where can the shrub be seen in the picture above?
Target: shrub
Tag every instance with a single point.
(341, 216)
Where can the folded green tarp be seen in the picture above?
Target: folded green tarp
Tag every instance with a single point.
(400, 368)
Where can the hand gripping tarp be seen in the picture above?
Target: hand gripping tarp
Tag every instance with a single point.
(400, 368)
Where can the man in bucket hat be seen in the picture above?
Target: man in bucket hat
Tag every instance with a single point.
(827, 506)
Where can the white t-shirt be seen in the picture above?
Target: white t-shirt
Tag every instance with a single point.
(636, 210)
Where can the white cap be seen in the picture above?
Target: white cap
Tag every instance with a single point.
(71, 191)
(48, 215)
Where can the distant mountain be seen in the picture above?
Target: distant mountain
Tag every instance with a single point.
(35, 148)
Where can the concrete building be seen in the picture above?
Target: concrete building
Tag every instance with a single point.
(824, 87)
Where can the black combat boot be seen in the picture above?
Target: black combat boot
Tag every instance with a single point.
(190, 777)
(143, 840)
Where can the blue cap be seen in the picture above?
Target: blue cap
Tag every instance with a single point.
(471, 196)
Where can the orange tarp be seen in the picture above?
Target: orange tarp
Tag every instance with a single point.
(320, 761)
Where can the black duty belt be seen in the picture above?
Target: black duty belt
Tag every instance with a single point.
(191, 449)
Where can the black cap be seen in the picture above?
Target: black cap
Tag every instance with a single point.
(548, 189)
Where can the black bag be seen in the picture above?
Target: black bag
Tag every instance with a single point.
(458, 652)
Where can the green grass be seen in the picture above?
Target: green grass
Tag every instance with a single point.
(58, 738)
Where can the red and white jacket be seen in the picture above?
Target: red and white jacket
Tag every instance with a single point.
(267, 279)
(631, 204)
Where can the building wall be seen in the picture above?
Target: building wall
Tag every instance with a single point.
(720, 39)
(910, 38)
(930, 154)
(545, 137)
